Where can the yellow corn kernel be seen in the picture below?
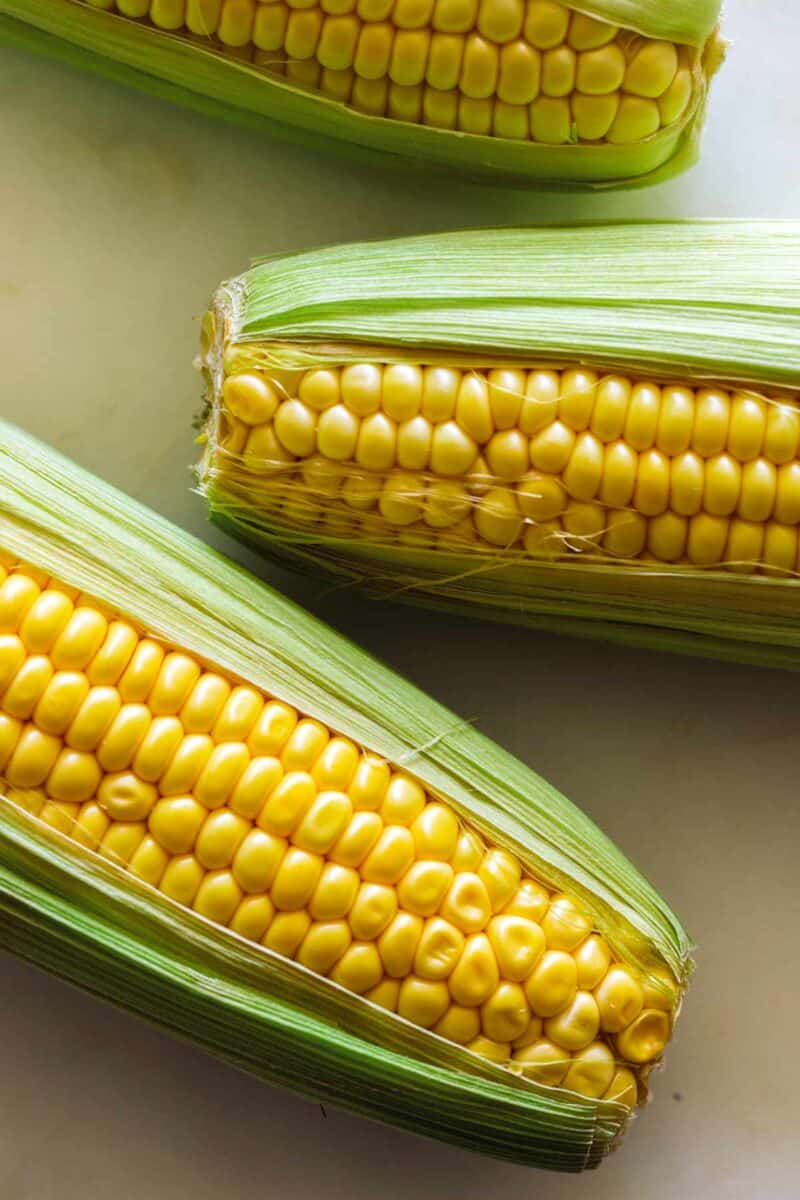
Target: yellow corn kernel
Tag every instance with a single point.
(620, 469)
(323, 945)
(258, 780)
(287, 804)
(550, 450)
(218, 897)
(459, 1024)
(593, 115)
(759, 487)
(338, 432)
(423, 887)
(257, 860)
(666, 537)
(149, 861)
(186, 765)
(675, 420)
(93, 719)
(585, 467)
(623, 1088)
(252, 917)
(125, 797)
(518, 944)
(374, 908)
(592, 959)
(114, 655)
(782, 434)
(324, 822)
(75, 777)
(335, 893)
(181, 879)
(286, 932)
(651, 493)
(541, 497)
(476, 976)
(530, 900)
(530, 1035)
(175, 823)
(553, 984)
(723, 482)
(577, 1025)
(748, 426)
(27, 687)
(787, 495)
(219, 838)
(250, 397)
(711, 422)
(360, 970)
(121, 841)
(687, 483)
(651, 69)
(12, 656)
(391, 856)
(357, 840)
(32, 755)
(591, 1070)
(45, 621)
(60, 815)
(708, 536)
(505, 1015)
(296, 879)
(780, 548)
(438, 949)
(501, 873)
(385, 994)
(644, 1039)
(587, 33)
(422, 1001)
(610, 410)
(17, 595)
(564, 925)
(636, 120)
(600, 71)
(238, 716)
(551, 120)
(544, 1062)
(139, 676)
(619, 999)
(204, 704)
(745, 546)
(625, 535)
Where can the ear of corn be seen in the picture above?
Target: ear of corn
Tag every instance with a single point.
(592, 429)
(207, 817)
(610, 95)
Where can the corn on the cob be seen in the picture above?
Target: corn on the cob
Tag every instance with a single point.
(619, 94)
(541, 439)
(172, 771)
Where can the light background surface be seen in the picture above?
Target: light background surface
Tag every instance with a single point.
(118, 216)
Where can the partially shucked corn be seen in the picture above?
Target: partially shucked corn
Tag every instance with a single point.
(621, 93)
(127, 746)
(533, 440)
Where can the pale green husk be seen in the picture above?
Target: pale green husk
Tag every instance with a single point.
(82, 918)
(698, 300)
(185, 72)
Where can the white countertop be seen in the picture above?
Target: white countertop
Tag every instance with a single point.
(118, 216)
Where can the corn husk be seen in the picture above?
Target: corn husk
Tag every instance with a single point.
(186, 72)
(688, 300)
(86, 920)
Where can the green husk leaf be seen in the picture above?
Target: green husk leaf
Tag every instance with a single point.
(715, 301)
(185, 72)
(82, 918)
